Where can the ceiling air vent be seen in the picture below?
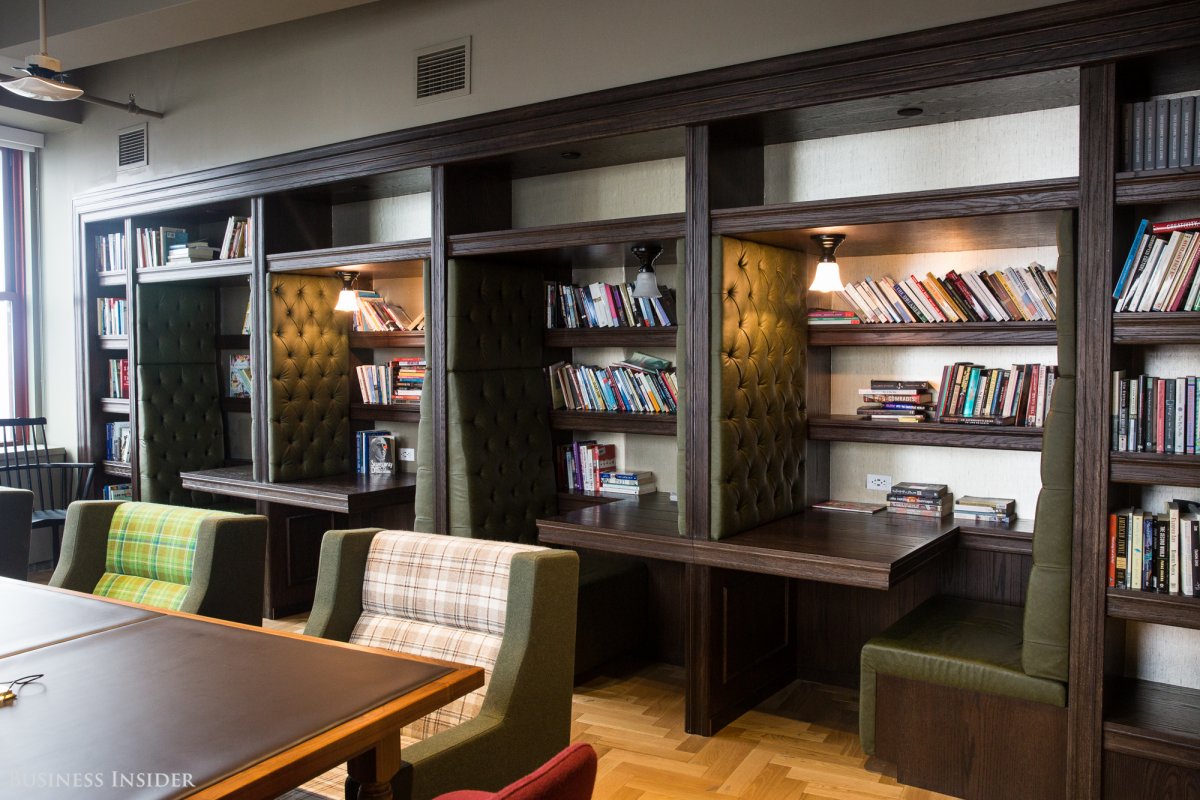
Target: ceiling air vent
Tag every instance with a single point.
(132, 151)
(444, 70)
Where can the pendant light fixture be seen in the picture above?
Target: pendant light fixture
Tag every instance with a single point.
(828, 277)
(347, 297)
(646, 283)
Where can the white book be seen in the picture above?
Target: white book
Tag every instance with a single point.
(1162, 260)
(1187, 578)
(985, 296)
(1136, 549)
(1139, 285)
(864, 290)
(890, 314)
(1172, 256)
(886, 285)
(919, 298)
(1173, 548)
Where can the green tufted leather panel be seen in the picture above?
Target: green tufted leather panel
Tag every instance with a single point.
(494, 316)
(950, 641)
(179, 389)
(308, 397)
(1048, 598)
(758, 420)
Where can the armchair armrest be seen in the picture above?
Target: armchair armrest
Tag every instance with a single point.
(337, 603)
(85, 545)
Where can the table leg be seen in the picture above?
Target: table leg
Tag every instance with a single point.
(374, 769)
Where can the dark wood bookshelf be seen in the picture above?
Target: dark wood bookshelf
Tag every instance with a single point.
(666, 336)
(1155, 468)
(233, 341)
(945, 333)
(350, 256)
(1152, 720)
(114, 405)
(1163, 609)
(369, 339)
(613, 422)
(241, 404)
(114, 278)
(1158, 186)
(849, 428)
(114, 342)
(645, 526)
(1180, 327)
(117, 469)
(200, 270)
(618, 233)
(1015, 537)
(408, 412)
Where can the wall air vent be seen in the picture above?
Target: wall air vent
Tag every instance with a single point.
(133, 148)
(444, 70)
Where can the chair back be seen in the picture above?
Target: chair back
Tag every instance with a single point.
(25, 464)
(16, 514)
(570, 775)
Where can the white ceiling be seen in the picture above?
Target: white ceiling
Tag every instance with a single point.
(87, 32)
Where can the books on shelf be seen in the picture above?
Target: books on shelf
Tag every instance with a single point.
(920, 499)
(117, 491)
(110, 252)
(626, 387)
(117, 441)
(896, 401)
(151, 245)
(1159, 133)
(606, 305)
(237, 235)
(1155, 415)
(397, 382)
(118, 378)
(373, 314)
(239, 375)
(825, 316)
(850, 506)
(1160, 271)
(1156, 552)
(110, 316)
(191, 253)
(1003, 295)
(973, 394)
(986, 509)
(374, 452)
(578, 466)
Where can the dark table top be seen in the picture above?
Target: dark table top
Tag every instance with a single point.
(343, 494)
(33, 616)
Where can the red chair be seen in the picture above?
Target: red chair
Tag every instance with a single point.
(570, 775)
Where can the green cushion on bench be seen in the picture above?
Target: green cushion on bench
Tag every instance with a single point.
(965, 644)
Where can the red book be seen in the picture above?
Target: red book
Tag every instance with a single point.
(1112, 549)
(1035, 378)
(1176, 225)
(1160, 415)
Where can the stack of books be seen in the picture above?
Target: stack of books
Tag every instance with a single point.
(973, 394)
(237, 234)
(920, 499)
(631, 482)
(642, 384)
(825, 316)
(1155, 415)
(117, 443)
(190, 253)
(374, 452)
(374, 314)
(896, 401)
(1156, 552)
(986, 509)
(1159, 134)
(1160, 272)
(606, 305)
(1012, 294)
(400, 381)
(578, 465)
(118, 378)
(155, 244)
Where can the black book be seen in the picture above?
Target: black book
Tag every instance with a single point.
(1139, 136)
(1127, 137)
(1148, 137)
(1122, 558)
(879, 385)
(1174, 117)
(1149, 576)
(1161, 560)
(911, 489)
(1169, 414)
(1187, 131)
(1162, 121)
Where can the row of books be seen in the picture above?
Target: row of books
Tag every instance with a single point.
(621, 387)
(1160, 272)
(921, 499)
(117, 441)
(1156, 552)
(118, 378)
(117, 491)
(236, 239)
(1158, 134)
(1155, 415)
(606, 305)
(399, 381)
(896, 401)
(374, 452)
(153, 245)
(110, 316)
(590, 467)
(110, 252)
(933, 500)
(240, 382)
(973, 394)
(374, 314)
(1012, 294)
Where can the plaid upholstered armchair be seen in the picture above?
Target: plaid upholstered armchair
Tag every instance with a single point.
(180, 559)
(509, 608)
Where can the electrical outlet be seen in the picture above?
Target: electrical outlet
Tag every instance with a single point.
(881, 483)
(410, 454)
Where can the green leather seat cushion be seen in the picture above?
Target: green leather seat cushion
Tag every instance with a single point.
(965, 644)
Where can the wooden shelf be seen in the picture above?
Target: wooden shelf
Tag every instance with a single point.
(1151, 720)
(1163, 609)
(1180, 327)
(612, 337)
(233, 341)
(1158, 186)
(930, 434)
(1155, 468)
(645, 526)
(350, 256)
(201, 270)
(409, 412)
(114, 278)
(556, 239)
(946, 333)
(369, 339)
(114, 405)
(114, 342)
(235, 404)
(1015, 537)
(117, 469)
(612, 422)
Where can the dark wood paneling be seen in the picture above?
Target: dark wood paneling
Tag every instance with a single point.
(970, 744)
(475, 198)
(260, 341)
(645, 526)
(436, 349)
(1159, 186)
(614, 422)
(351, 256)
(1155, 468)
(611, 337)
(666, 610)
(559, 242)
(293, 552)
(847, 428)
(943, 334)
(1015, 537)
(342, 494)
(1154, 720)
(1127, 777)
(995, 577)
(365, 339)
(409, 412)
(297, 223)
(736, 175)
(1179, 327)
(1163, 609)
(817, 397)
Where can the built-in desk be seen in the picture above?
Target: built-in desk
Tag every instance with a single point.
(299, 513)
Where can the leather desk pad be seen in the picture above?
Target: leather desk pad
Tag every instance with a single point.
(176, 696)
(32, 616)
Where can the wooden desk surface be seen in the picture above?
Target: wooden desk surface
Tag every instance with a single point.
(342, 494)
(33, 616)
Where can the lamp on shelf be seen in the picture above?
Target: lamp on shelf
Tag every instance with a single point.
(829, 276)
(347, 297)
(646, 284)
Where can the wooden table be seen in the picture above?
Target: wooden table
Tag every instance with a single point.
(299, 513)
(171, 705)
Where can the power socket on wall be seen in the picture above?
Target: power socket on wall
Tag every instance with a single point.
(410, 454)
(880, 483)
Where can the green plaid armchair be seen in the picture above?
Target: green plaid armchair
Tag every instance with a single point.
(180, 559)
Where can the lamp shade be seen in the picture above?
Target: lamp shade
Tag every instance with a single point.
(646, 285)
(36, 88)
(828, 278)
(347, 300)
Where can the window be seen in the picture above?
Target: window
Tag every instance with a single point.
(14, 350)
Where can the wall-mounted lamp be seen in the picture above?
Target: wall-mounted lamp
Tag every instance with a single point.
(347, 297)
(646, 284)
(828, 277)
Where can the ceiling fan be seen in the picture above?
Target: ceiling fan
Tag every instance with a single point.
(42, 78)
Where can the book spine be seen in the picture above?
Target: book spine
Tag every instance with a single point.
(1161, 542)
(1139, 135)
(1187, 131)
(1174, 117)
(1137, 545)
(1112, 550)
(1121, 558)
(1162, 121)
(1126, 137)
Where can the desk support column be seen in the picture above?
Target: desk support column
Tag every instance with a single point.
(374, 769)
